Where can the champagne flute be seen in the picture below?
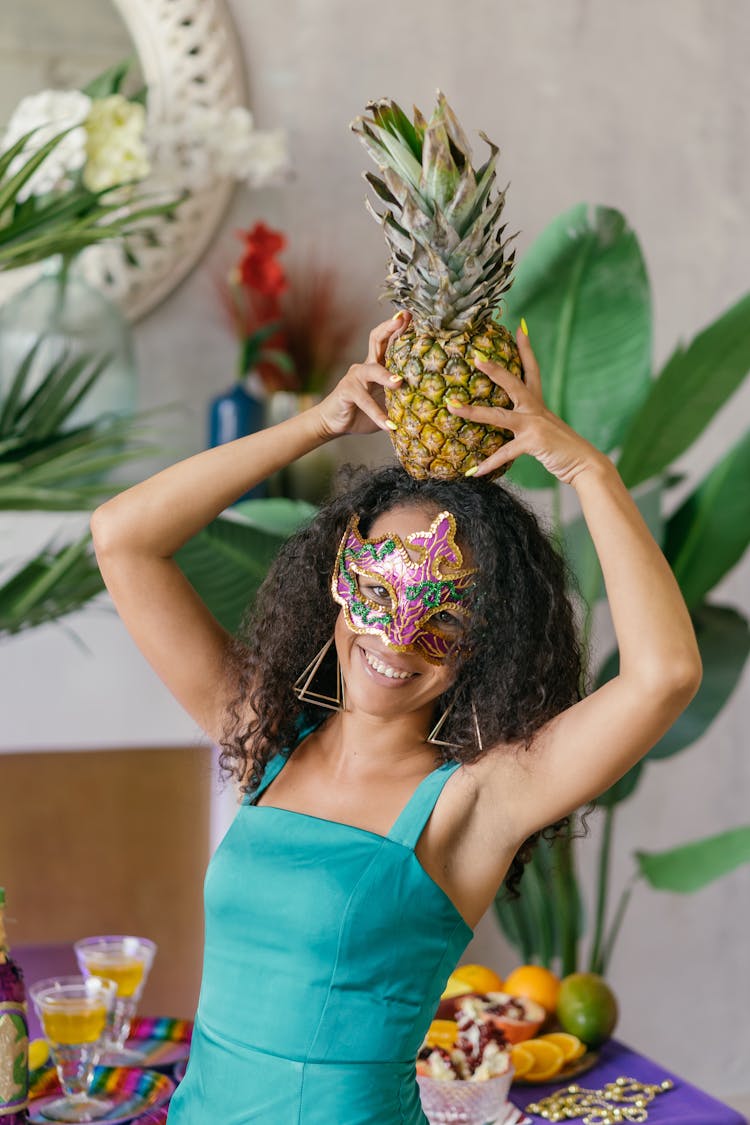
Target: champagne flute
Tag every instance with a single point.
(73, 1013)
(126, 961)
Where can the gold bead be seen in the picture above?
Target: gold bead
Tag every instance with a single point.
(667, 1084)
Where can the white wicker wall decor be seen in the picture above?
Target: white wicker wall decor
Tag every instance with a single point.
(189, 57)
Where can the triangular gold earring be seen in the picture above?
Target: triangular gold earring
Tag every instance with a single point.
(477, 731)
(303, 690)
(432, 736)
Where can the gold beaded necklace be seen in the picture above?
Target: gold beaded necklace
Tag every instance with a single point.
(623, 1100)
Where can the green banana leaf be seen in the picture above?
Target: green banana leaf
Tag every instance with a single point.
(583, 289)
(579, 549)
(110, 80)
(527, 921)
(724, 642)
(688, 868)
(517, 923)
(548, 916)
(710, 531)
(686, 395)
(623, 788)
(228, 560)
(49, 586)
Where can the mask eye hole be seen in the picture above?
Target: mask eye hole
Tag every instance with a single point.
(373, 590)
(449, 622)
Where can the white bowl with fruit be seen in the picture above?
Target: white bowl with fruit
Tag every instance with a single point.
(532, 1028)
(464, 1069)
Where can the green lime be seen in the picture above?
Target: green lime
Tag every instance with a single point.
(587, 1007)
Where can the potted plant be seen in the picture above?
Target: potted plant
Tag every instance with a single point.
(584, 290)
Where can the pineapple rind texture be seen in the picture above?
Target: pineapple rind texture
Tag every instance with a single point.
(430, 441)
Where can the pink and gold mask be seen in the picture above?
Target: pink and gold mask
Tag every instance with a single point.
(422, 585)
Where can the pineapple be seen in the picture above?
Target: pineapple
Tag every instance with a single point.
(448, 268)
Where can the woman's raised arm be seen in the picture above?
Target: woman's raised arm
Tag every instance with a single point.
(587, 747)
(137, 532)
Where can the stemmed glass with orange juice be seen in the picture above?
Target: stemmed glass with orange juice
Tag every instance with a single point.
(73, 1012)
(126, 962)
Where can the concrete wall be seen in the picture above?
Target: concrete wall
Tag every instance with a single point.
(642, 106)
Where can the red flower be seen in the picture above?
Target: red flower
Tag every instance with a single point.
(258, 270)
(264, 275)
(262, 240)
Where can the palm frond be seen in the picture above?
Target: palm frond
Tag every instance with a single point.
(54, 583)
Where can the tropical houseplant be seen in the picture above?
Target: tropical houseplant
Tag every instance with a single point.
(584, 291)
(71, 170)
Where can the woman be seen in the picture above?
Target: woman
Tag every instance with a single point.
(347, 887)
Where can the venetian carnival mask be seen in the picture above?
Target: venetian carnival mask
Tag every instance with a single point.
(409, 593)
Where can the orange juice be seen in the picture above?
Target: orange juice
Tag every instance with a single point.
(126, 972)
(67, 1022)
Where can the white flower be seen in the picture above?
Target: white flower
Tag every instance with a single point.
(265, 159)
(209, 144)
(115, 146)
(49, 112)
(240, 151)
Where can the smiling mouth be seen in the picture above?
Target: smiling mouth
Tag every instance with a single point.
(384, 669)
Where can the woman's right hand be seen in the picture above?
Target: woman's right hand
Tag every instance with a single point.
(356, 404)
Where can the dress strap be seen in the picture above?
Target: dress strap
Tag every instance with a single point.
(414, 816)
(272, 768)
(280, 758)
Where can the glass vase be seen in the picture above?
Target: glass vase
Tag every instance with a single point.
(69, 320)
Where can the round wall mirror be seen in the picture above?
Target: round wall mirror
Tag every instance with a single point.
(189, 59)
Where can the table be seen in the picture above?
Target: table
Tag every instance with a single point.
(684, 1105)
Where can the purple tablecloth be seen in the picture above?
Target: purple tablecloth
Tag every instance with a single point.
(684, 1105)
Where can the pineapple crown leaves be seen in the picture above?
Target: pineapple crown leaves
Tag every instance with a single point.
(448, 260)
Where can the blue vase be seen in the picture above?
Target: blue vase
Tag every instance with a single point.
(232, 415)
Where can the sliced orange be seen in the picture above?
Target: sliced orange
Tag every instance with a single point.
(534, 982)
(442, 1033)
(548, 1059)
(471, 978)
(570, 1045)
(522, 1059)
(455, 987)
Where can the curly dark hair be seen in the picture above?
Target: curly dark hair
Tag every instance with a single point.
(520, 663)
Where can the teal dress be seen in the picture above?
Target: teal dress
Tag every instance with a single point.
(327, 948)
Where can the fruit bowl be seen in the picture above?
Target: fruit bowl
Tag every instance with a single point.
(464, 1102)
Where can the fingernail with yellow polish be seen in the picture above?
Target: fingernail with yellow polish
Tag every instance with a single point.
(524, 326)
(470, 472)
(391, 425)
(398, 315)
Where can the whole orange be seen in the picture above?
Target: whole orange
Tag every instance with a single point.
(535, 983)
(477, 978)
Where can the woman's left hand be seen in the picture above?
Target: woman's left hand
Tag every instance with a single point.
(536, 430)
